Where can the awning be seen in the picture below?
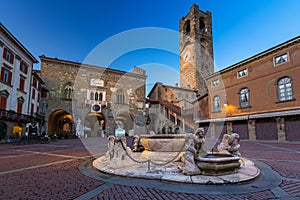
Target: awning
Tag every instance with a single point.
(275, 114)
(253, 116)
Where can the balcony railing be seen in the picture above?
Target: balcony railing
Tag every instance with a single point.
(13, 116)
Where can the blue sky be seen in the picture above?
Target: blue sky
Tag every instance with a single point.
(72, 29)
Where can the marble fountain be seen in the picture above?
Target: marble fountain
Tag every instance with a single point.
(178, 158)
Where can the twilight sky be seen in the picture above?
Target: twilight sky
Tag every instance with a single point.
(76, 29)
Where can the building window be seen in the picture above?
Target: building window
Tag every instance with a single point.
(7, 55)
(202, 24)
(39, 87)
(285, 91)
(215, 83)
(216, 104)
(34, 82)
(121, 97)
(23, 67)
(6, 76)
(33, 93)
(100, 96)
(187, 28)
(32, 109)
(242, 73)
(92, 96)
(68, 91)
(244, 98)
(281, 59)
(22, 83)
(172, 96)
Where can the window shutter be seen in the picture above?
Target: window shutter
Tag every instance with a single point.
(2, 74)
(9, 77)
(12, 58)
(4, 53)
(22, 84)
(20, 107)
(3, 103)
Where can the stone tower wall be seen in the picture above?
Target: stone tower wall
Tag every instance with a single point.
(196, 38)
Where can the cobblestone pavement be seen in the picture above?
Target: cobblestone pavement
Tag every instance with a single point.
(61, 170)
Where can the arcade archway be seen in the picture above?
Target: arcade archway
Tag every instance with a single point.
(126, 120)
(60, 122)
(94, 124)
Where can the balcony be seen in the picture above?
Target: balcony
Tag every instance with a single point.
(17, 117)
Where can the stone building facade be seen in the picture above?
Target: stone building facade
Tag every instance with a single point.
(196, 49)
(92, 97)
(171, 108)
(258, 97)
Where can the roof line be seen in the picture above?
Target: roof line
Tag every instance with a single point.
(259, 55)
(17, 42)
(43, 57)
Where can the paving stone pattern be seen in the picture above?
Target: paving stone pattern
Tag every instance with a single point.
(50, 171)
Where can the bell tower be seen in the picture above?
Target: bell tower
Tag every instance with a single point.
(196, 49)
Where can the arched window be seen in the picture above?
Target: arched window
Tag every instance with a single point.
(96, 95)
(284, 88)
(187, 27)
(120, 97)
(69, 91)
(100, 96)
(202, 22)
(244, 98)
(92, 96)
(216, 104)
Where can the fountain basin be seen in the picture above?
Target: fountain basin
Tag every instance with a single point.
(163, 148)
(163, 143)
(218, 164)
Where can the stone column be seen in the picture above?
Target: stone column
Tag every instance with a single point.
(281, 129)
(229, 127)
(213, 132)
(251, 130)
(9, 131)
